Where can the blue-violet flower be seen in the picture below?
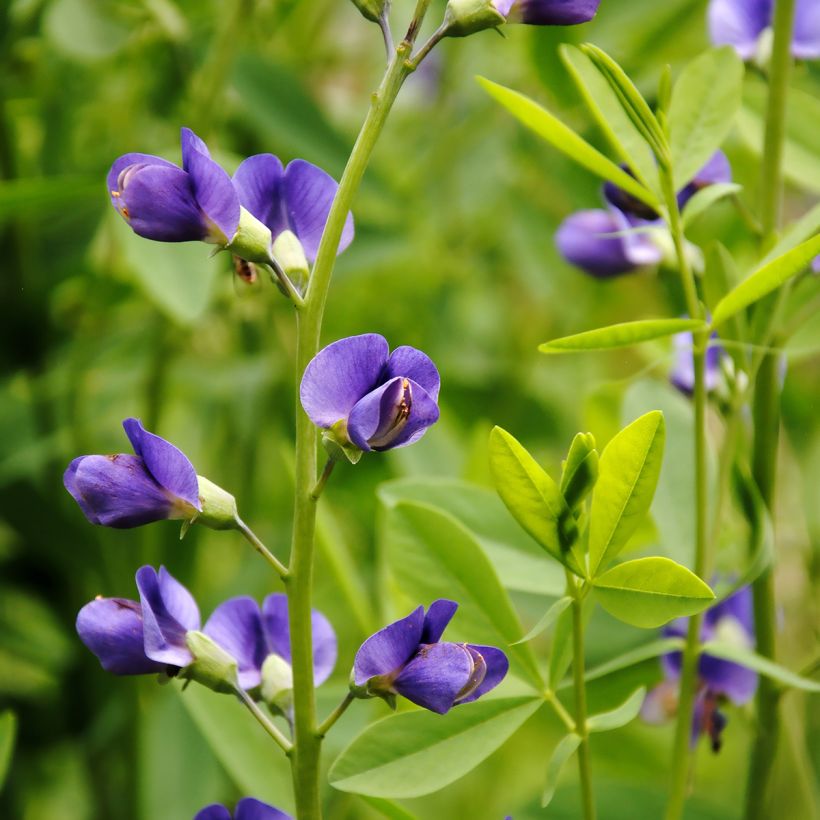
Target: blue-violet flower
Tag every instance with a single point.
(246, 809)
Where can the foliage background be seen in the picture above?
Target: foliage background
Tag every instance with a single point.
(454, 254)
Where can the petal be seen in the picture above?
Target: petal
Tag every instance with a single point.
(324, 648)
(259, 183)
(168, 613)
(159, 203)
(626, 202)
(660, 703)
(439, 614)
(413, 364)
(309, 193)
(739, 23)
(806, 40)
(580, 242)
(112, 629)
(251, 809)
(236, 625)
(557, 12)
(213, 812)
(167, 463)
(716, 170)
(112, 181)
(638, 247)
(738, 606)
(497, 667)
(393, 415)
(389, 649)
(116, 491)
(214, 192)
(435, 676)
(340, 375)
(737, 682)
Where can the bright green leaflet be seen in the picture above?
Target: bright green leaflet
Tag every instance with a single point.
(649, 592)
(705, 198)
(562, 753)
(746, 657)
(547, 619)
(629, 470)
(418, 752)
(620, 335)
(705, 100)
(620, 716)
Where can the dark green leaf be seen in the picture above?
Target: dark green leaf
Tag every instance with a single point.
(8, 733)
(580, 469)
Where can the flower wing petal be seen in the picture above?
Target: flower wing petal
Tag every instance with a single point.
(389, 649)
(324, 648)
(236, 625)
(739, 23)
(251, 809)
(806, 41)
(215, 194)
(213, 812)
(497, 667)
(413, 364)
(276, 625)
(259, 181)
(581, 242)
(125, 161)
(439, 614)
(435, 676)
(557, 12)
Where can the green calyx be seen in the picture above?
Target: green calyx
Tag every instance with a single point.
(251, 240)
(338, 445)
(212, 666)
(277, 683)
(373, 10)
(465, 17)
(218, 506)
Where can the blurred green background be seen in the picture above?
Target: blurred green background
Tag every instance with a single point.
(453, 254)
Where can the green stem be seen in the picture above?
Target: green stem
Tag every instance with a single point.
(584, 758)
(560, 709)
(264, 721)
(320, 484)
(766, 410)
(688, 681)
(307, 742)
(256, 543)
(326, 724)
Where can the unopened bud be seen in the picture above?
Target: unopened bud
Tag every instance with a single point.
(373, 10)
(218, 506)
(287, 250)
(465, 17)
(277, 683)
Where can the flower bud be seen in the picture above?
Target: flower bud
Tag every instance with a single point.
(373, 10)
(277, 683)
(580, 470)
(212, 666)
(218, 506)
(251, 240)
(465, 17)
(287, 250)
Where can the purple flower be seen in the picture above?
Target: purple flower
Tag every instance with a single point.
(741, 23)
(162, 201)
(406, 658)
(131, 638)
(251, 635)
(246, 809)
(683, 371)
(295, 199)
(548, 12)
(730, 621)
(374, 398)
(717, 170)
(125, 491)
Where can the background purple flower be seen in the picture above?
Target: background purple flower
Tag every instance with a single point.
(161, 201)
(406, 658)
(682, 375)
(384, 399)
(246, 809)
(250, 635)
(740, 23)
(131, 638)
(730, 621)
(296, 199)
(125, 491)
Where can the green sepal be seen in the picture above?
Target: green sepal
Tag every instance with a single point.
(287, 250)
(212, 665)
(277, 683)
(373, 10)
(218, 507)
(251, 240)
(465, 17)
(338, 445)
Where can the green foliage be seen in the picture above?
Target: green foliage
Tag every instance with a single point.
(620, 716)
(629, 470)
(565, 749)
(763, 666)
(8, 732)
(547, 619)
(533, 498)
(649, 592)
(418, 752)
(705, 198)
(579, 471)
(620, 335)
(705, 100)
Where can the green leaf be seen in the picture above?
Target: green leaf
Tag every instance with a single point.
(579, 471)
(538, 119)
(761, 665)
(389, 809)
(547, 619)
(705, 100)
(432, 555)
(8, 733)
(560, 755)
(705, 198)
(561, 649)
(653, 649)
(613, 121)
(620, 335)
(765, 279)
(719, 277)
(620, 716)
(649, 592)
(418, 752)
(629, 470)
(252, 760)
(533, 498)
(805, 228)
(762, 531)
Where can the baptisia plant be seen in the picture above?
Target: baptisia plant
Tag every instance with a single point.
(368, 398)
(407, 658)
(465, 17)
(248, 808)
(731, 621)
(157, 482)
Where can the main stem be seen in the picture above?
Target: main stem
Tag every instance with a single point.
(688, 679)
(584, 757)
(766, 411)
(307, 740)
